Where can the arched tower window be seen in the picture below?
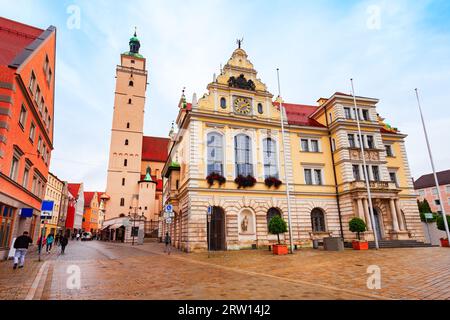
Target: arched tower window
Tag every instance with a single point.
(125, 162)
(131, 83)
(128, 125)
(129, 101)
(260, 108)
(318, 220)
(243, 155)
(223, 103)
(270, 158)
(126, 142)
(215, 153)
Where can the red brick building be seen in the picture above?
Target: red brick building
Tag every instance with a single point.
(27, 83)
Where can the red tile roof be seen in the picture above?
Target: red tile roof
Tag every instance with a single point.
(74, 189)
(155, 149)
(427, 181)
(298, 114)
(88, 196)
(14, 38)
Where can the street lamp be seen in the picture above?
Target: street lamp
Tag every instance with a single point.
(135, 215)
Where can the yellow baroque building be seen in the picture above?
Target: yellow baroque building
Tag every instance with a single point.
(235, 131)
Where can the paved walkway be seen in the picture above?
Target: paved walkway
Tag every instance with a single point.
(118, 271)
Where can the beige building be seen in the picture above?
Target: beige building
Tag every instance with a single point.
(53, 192)
(134, 182)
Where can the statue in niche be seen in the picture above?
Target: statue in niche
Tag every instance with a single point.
(244, 224)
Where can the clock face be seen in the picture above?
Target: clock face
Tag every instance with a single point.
(243, 105)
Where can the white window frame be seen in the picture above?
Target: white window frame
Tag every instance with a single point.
(313, 176)
(310, 139)
(208, 132)
(277, 155)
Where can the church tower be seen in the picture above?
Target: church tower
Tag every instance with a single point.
(124, 169)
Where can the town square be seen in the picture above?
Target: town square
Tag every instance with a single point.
(220, 151)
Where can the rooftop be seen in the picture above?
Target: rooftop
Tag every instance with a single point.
(427, 180)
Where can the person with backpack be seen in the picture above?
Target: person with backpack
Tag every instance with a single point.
(49, 242)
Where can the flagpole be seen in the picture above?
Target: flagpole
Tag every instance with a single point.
(285, 161)
(432, 165)
(363, 156)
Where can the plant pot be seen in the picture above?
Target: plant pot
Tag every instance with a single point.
(280, 249)
(444, 243)
(360, 245)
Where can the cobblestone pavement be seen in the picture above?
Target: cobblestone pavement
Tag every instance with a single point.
(118, 271)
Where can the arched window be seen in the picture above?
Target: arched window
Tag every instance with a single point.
(272, 213)
(125, 163)
(129, 101)
(223, 103)
(123, 181)
(131, 83)
(243, 155)
(318, 220)
(128, 125)
(215, 153)
(270, 158)
(260, 108)
(126, 142)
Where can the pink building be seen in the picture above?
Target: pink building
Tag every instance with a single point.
(426, 188)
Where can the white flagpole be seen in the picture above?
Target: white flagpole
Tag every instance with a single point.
(432, 165)
(363, 156)
(291, 250)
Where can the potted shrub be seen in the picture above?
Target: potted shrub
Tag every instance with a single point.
(245, 182)
(358, 225)
(215, 177)
(441, 226)
(276, 226)
(272, 181)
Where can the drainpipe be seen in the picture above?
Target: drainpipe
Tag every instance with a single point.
(335, 177)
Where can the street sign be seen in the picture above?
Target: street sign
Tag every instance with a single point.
(47, 209)
(428, 215)
(169, 208)
(171, 214)
(210, 210)
(169, 220)
(209, 218)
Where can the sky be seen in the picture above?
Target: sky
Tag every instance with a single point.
(389, 48)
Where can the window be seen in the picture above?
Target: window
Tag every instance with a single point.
(38, 94)
(131, 84)
(14, 168)
(128, 125)
(365, 115)
(437, 202)
(305, 145)
(125, 163)
(393, 177)
(46, 63)
(122, 202)
(348, 114)
(243, 155)
(6, 222)
(314, 146)
(318, 177)
(26, 174)
(177, 184)
(422, 193)
(434, 191)
(223, 103)
(215, 153)
(41, 105)
(132, 61)
(32, 130)
(376, 173)
(129, 101)
(272, 212)
(260, 108)
(32, 82)
(23, 116)
(333, 145)
(351, 141)
(370, 143)
(447, 189)
(331, 118)
(318, 220)
(270, 158)
(49, 77)
(389, 150)
(123, 181)
(49, 122)
(356, 173)
(126, 142)
(308, 177)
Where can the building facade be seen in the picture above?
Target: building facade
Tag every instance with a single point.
(53, 192)
(27, 82)
(91, 212)
(426, 189)
(229, 155)
(134, 182)
(75, 209)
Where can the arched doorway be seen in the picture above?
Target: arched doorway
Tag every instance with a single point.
(378, 223)
(216, 233)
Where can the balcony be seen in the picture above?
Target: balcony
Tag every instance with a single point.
(374, 185)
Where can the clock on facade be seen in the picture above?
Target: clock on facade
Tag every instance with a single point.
(243, 105)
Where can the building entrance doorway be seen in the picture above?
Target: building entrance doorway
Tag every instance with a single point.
(378, 218)
(216, 234)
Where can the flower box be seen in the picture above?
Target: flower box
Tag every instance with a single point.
(272, 181)
(444, 242)
(215, 177)
(245, 182)
(280, 249)
(360, 245)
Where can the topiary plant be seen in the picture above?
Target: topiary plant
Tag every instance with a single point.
(277, 225)
(440, 222)
(357, 225)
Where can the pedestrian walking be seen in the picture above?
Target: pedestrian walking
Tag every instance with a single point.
(21, 245)
(64, 241)
(168, 242)
(50, 240)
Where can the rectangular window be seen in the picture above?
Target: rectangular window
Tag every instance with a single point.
(305, 145)
(437, 202)
(38, 94)
(23, 116)
(351, 141)
(49, 123)
(447, 189)
(26, 173)
(50, 75)
(370, 143)
(389, 150)
(434, 191)
(34, 185)
(122, 202)
(39, 145)
(356, 173)
(348, 114)
(32, 82)
(365, 115)
(32, 130)
(14, 168)
(46, 62)
(318, 177)
(393, 177)
(376, 173)
(314, 146)
(422, 193)
(308, 177)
